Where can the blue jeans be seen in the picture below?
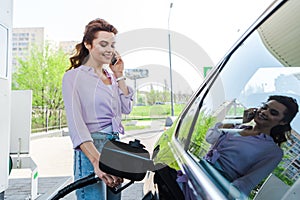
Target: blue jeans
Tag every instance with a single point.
(83, 167)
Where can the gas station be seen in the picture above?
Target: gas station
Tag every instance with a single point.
(5, 92)
(15, 115)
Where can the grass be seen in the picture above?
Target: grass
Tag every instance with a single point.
(148, 113)
(130, 127)
(154, 111)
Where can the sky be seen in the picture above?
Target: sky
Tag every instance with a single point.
(212, 24)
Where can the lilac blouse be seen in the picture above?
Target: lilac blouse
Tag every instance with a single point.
(91, 105)
(245, 159)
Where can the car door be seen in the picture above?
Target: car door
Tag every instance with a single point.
(263, 62)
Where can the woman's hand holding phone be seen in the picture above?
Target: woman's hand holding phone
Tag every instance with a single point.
(249, 114)
(117, 65)
(114, 60)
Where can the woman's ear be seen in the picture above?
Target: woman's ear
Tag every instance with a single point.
(88, 46)
(283, 122)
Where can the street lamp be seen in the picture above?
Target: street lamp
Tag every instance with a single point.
(170, 61)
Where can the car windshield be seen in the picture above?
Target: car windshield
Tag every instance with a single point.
(266, 63)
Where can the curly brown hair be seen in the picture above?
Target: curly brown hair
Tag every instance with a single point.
(280, 133)
(89, 35)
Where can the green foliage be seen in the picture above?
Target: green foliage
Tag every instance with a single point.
(154, 111)
(152, 96)
(157, 110)
(199, 145)
(139, 111)
(165, 155)
(42, 72)
(278, 172)
(133, 127)
(256, 189)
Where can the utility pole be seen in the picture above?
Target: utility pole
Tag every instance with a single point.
(170, 61)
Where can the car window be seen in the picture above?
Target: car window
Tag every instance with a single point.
(266, 63)
(186, 123)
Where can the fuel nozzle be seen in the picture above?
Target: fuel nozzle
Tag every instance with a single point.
(136, 143)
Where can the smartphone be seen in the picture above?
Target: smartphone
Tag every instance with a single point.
(249, 114)
(114, 60)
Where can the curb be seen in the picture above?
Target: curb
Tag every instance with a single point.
(52, 133)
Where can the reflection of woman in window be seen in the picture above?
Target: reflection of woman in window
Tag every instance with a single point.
(246, 156)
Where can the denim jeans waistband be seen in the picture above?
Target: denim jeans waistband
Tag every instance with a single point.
(110, 136)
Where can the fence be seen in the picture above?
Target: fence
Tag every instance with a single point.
(45, 119)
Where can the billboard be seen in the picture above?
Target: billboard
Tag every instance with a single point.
(134, 74)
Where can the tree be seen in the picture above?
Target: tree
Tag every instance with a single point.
(42, 72)
(151, 96)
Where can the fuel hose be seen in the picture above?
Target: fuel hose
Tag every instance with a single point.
(85, 181)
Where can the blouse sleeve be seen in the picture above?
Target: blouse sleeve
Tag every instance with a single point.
(126, 100)
(213, 134)
(258, 172)
(78, 130)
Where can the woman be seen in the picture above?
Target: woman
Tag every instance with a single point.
(246, 156)
(94, 101)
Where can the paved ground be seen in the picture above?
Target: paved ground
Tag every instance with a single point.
(54, 157)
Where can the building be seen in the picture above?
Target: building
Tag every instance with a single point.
(68, 46)
(292, 157)
(22, 41)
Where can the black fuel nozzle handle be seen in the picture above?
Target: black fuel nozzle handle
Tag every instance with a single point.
(118, 189)
(136, 143)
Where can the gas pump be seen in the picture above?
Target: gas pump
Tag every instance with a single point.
(5, 91)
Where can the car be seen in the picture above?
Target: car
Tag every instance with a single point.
(264, 61)
(159, 103)
(140, 104)
(169, 121)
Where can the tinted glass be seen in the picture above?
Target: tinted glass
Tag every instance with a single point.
(267, 63)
